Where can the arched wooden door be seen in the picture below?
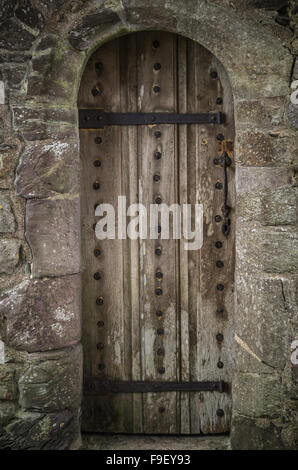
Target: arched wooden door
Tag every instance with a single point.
(157, 319)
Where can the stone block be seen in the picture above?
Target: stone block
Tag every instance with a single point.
(261, 324)
(7, 412)
(254, 434)
(266, 148)
(42, 314)
(9, 255)
(50, 81)
(257, 395)
(14, 36)
(46, 431)
(93, 24)
(260, 112)
(48, 169)
(280, 252)
(52, 381)
(7, 219)
(8, 389)
(53, 234)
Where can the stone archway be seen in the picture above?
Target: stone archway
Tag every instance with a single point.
(45, 118)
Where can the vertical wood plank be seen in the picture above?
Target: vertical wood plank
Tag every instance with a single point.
(159, 409)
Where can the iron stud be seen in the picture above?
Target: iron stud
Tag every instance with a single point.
(156, 89)
(219, 100)
(97, 252)
(156, 177)
(213, 74)
(220, 287)
(158, 251)
(219, 264)
(161, 370)
(100, 346)
(157, 66)
(160, 331)
(155, 44)
(158, 291)
(98, 140)
(219, 337)
(100, 323)
(218, 244)
(220, 364)
(159, 275)
(157, 134)
(101, 366)
(218, 185)
(97, 276)
(217, 218)
(97, 163)
(220, 413)
(99, 301)
(157, 155)
(96, 185)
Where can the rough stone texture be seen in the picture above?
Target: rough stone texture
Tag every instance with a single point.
(262, 323)
(52, 381)
(9, 255)
(34, 431)
(49, 79)
(257, 395)
(52, 231)
(258, 434)
(44, 46)
(266, 148)
(48, 169)
(266, 250)
(42, 314)
(47, 123)
(7, 412)
(7, 219)
(116, 442)
(269, 207)
(8, 389)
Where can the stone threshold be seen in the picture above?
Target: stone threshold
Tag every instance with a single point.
(154, 442)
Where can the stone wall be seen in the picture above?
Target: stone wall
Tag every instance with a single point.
(44, 45)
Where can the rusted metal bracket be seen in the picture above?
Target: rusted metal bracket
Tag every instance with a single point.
(98, 118)
(97, 386)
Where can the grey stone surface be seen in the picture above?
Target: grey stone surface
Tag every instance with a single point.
(266, 249)
(261, 323)
(7, 412)
(270, 207)
(49, 79)
(42, 314)
(53, 234)
(48, 169)
(258, 434)
(52, 381)
(14, 36)
(7, 219)
(8, 389)
(34, 431)
(257, 395)
(9, 255)
(102, 442)
(266, 148)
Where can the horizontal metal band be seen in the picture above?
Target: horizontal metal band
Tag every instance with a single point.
(97, 386)
(98, 118)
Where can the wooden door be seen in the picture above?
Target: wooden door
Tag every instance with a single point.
(138, 325)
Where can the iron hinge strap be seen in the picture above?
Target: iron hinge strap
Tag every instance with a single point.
(97, 386)
(98, 118)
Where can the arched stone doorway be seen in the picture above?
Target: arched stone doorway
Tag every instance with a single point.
(44, 122)
(156, 313)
